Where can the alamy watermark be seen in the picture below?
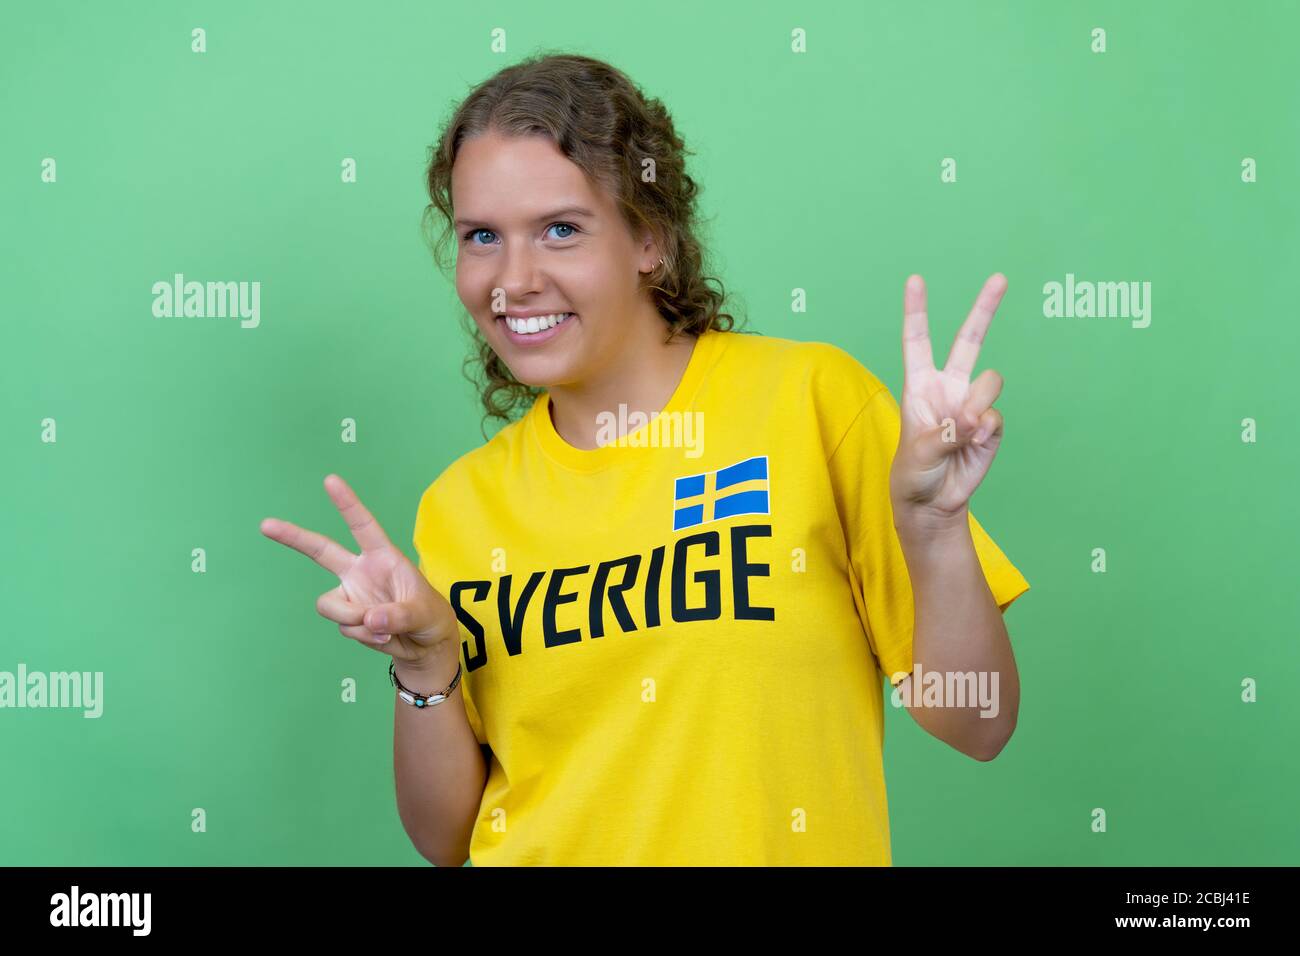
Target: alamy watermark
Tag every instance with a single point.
(200, 300)
(1102, 300)
(102, 909)
(949, 689)
(625, 429)
(76, 689)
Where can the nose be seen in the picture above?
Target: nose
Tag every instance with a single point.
(520, 275)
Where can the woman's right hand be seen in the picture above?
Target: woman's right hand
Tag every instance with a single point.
(382, 600)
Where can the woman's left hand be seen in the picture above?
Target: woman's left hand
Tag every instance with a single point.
(950, 431)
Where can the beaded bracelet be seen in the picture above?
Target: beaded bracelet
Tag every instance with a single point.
(415, 698)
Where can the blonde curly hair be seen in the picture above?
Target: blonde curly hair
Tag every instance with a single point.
(603, 123)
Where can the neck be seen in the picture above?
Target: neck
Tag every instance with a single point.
(642, 375)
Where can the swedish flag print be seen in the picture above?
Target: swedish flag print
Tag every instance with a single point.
(739, 489)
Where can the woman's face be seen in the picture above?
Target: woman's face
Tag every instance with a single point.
(535, 237)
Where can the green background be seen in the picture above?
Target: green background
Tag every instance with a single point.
(820, 171)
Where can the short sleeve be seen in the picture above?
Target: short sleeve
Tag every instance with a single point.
(466, 694)
(859, 468)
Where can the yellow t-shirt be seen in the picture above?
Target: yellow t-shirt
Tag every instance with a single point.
(674, 648)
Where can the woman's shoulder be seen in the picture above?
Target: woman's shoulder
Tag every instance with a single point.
(823, 370)
(475, 471)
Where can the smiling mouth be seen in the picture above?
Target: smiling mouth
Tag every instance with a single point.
(535, 324)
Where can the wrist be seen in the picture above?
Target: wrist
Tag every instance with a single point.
(428, 674)
(923, 532)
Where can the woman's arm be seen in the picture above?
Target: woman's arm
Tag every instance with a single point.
(438, 767)
(949, 433)
(958, 630)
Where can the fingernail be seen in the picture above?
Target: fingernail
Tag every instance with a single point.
(380, 619)
(980, 435)
(382, 638)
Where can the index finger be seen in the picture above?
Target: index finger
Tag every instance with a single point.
(966, 348)
(365, 529)
(917, 354)
(330, 555)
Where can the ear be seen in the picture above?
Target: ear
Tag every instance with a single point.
(650, 253)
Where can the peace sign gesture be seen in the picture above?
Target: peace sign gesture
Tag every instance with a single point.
(949, 431)
(382, 600)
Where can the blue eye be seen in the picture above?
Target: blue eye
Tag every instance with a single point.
(469, 236)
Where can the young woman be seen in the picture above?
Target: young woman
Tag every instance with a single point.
(651, 614)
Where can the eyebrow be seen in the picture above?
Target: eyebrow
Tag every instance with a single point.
(569, 211)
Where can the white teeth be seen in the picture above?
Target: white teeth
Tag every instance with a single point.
(536, 323)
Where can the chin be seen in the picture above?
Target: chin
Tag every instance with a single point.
(541, 371)
(542, 365)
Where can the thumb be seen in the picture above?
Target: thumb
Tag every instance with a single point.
(934, 443)
(391, 619)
